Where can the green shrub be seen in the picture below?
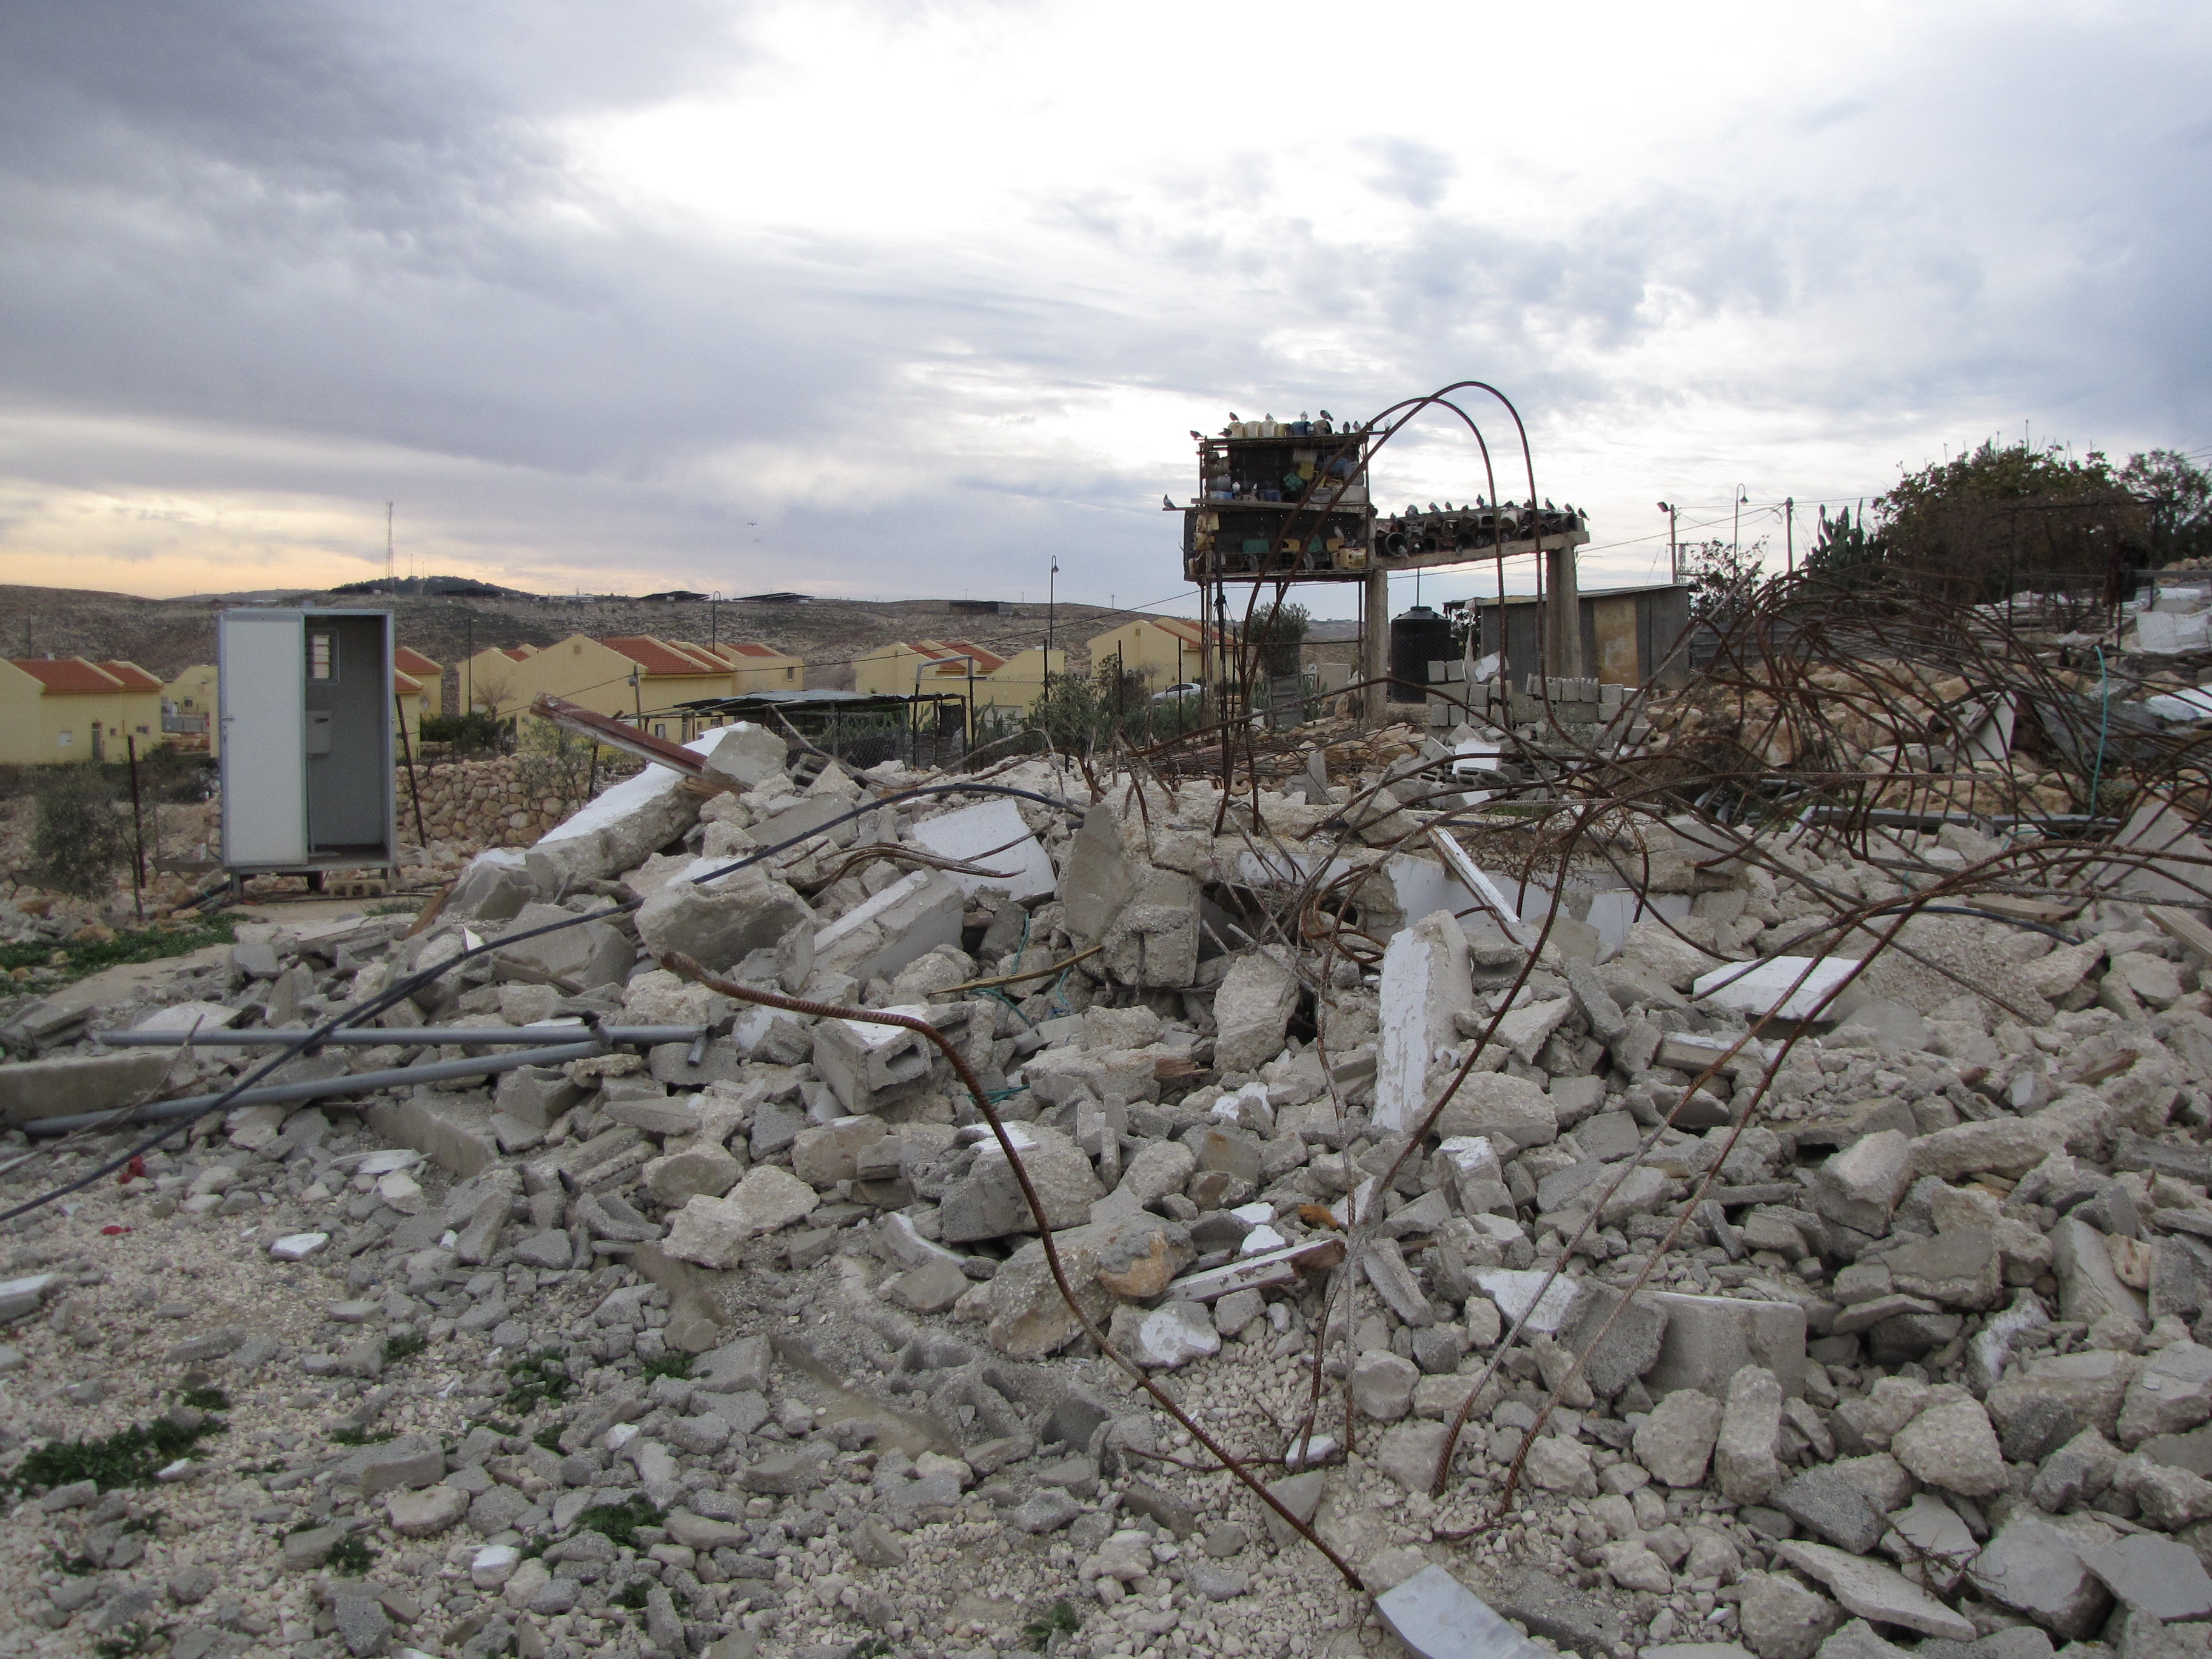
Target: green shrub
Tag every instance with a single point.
(79, 837)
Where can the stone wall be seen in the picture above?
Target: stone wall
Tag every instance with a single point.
(491, 803)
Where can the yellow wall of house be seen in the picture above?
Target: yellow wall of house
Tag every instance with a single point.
(768, 674)
(196, 691)
(593, 676)
(37, 727)
(1151, 651)
(889, 671)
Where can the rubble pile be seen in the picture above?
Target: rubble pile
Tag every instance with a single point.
(1762, 1268)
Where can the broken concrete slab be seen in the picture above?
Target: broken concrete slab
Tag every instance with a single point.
(1437, 1617)
(993, 835)
(906, 920)
(1252, 1012)
(68, 1085)
(1709, 1339)
(1779, 987)
(719, 923)
(1424, 983)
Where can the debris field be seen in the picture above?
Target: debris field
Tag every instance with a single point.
(1734, 1180)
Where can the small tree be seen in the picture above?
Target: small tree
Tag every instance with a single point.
(1722, 578)
(2177, 495)
(555, 763)
(80, 838)
(1280, 633)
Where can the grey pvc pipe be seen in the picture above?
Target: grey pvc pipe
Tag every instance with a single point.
(278, 1094)
(368, 1036)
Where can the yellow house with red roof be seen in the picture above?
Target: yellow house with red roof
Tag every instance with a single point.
(638, 677)
(1166, 650)
(957, 667)
(68, 708)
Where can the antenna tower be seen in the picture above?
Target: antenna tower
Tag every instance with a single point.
(391, 585)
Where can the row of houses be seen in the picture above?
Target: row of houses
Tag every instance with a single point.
(63, 708)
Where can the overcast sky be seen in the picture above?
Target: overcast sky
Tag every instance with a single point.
(898, 301)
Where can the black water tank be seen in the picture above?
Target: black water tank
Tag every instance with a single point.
(1418, 638)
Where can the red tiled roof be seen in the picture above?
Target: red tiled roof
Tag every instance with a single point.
(67, 674)
(1189, 632)
(134, 678)
(748, 650)
(715, 659)
(406, 684)
(408, 661)
(987, 662)
(658, 657)
(517, 652)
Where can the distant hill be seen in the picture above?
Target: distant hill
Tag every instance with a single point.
(435, 587)
(165, 635)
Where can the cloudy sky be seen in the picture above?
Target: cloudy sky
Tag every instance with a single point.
(896, 300)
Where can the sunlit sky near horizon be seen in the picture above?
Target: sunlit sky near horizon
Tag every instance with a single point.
(897, 301)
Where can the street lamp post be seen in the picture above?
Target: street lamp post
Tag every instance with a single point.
(1673, 547)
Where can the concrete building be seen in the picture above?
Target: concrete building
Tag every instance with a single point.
(427, 674)
(625, 676)
(1166, 650)
(1627, 635)
(954, 667)
(188, 709)
(65, 708)
(756, 668)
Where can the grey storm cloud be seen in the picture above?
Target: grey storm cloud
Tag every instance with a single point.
(350, 238)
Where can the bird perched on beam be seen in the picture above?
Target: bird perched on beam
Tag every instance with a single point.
(1167, 503)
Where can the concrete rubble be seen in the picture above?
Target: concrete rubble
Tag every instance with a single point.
(1879, 1329)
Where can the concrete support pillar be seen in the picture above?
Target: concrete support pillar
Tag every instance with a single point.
(1375, 646)
(1562, 616)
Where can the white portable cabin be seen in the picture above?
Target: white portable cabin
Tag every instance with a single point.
(307, 711)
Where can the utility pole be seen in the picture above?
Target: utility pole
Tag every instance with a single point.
(1790, 533)
(391, 581)
(1735, 528)
(1051, 579)
(1673, 550)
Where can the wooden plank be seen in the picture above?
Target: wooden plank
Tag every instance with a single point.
(2184, 928)
(1258, 1272)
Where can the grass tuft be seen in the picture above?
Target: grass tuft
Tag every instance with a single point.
(531, 1381)
(619, 1523)
(129, 1457)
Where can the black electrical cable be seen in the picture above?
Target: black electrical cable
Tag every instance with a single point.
(369, 1009)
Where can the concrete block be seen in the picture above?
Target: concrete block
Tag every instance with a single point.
(1437, 1617)
(1766, 987)
(624, 824)
(869, 1066)
(1711, 1337)
(1098, 878)
(452, 1131)
(1153, 939)
(493, 887)
(69, 1084)
(1252, 1012)
(1424, 983)
(575, 958)
(910, 918)
(994, 836)
(720, 923)
(746, 755)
